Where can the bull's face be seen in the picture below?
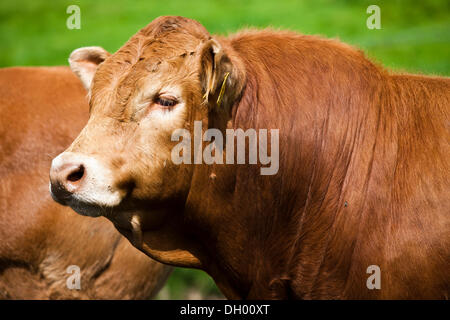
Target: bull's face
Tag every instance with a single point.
(120, 165)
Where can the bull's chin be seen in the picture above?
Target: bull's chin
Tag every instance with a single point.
(146, 229)
(87, 209)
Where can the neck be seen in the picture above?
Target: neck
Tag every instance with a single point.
(271, 236)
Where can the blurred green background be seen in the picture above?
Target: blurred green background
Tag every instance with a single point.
(414, 37)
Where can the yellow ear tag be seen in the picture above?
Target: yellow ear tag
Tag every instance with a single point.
(222, 89)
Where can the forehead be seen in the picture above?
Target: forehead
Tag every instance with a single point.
(149, 52)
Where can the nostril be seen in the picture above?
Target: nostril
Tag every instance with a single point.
(76, 175)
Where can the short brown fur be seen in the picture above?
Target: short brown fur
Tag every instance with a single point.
(42, 110)
(363, 176)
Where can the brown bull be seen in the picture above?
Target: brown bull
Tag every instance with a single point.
(42, 110)
(361, 187)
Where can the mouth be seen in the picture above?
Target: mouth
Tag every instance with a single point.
(81, 207)
(85, 203)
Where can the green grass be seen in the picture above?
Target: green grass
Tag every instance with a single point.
(189, 284)
(415, 37)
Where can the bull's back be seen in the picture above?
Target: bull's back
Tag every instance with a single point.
(42, 110)
(421, 116)
(414, 207)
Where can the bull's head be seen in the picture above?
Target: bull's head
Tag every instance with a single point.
(164, 78)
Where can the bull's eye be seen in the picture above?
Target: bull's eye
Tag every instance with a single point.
(166, 101)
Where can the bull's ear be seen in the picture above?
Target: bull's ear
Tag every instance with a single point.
(84, 62)
(219, 76)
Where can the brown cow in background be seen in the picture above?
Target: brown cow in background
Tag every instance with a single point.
(41, 111)
(363, 175)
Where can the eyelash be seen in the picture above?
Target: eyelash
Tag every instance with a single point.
(164, 102)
